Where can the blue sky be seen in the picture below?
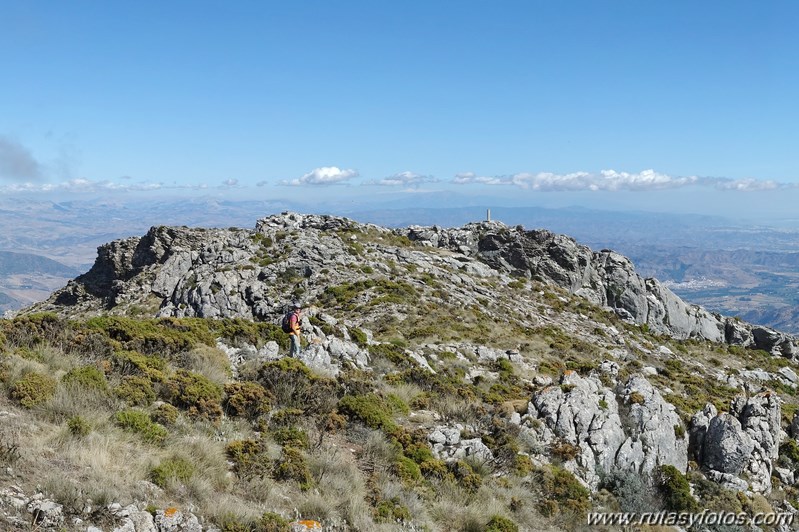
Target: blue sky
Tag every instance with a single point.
(682, 106)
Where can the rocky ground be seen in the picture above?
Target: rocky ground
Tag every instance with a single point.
(455, 379)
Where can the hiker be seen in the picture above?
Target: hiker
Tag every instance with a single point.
(291, 325)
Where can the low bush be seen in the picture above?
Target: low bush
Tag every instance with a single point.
(293, 385)
(195, 393)
(407, 470)
(172, 469)
(391, 511)
(249, 458)
(272, 522)
(140, 423)
(370, 409)
(86, 377)
(246, 399)
(78, 426)
(135, 390)
(559, 492)
(165, 414)
(33, 389)
(466, 476)
(497, 523)
(134, 363)
(676, 490)
(293, 466)
(291, 437)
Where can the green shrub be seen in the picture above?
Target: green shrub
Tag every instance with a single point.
(195, 393)
(248, 457)
(165, 414)
(789, 451)
(239, 331)
(565, 450)
(466, 476)
(497, 523)
(155, 335)
(292, 466)
(291, 437)
(393, 353)
(33, 389)
(229, 522)
(561, 492)
(359, 337)
(397, 405)
(370, 409)
(675, 490)
(172, 469)
(637, 398)
(523, 465)
(272, 522)
(407, 470)
(293, 385)
(135, 390)
(86, 377)
(286, 417)
(246, 399)
(391, 511)
(133, 363)
(78, 426)
(140, 423)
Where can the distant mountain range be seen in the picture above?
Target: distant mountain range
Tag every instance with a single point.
(12, 263)
(26, 278)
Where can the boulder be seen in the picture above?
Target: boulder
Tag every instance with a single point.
(45, 513)
(745, 441)
(727, 446)
(630, 428)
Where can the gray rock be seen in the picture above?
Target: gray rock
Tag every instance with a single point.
(727, 446)
(699, 425)
(173, 520)
(318, 358)
(447, 445)
(789, 375)
(584, 413)
(786, 476)
(728, 480)
(746, 440)
(46, 513)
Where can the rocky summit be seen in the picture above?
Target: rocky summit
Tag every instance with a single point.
(476, 378)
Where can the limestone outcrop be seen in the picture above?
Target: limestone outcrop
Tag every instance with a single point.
(629, 428)
(739, 448)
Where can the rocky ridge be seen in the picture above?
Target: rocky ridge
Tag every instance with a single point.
(361, 280)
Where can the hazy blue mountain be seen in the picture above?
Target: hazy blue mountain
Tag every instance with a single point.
(12, 263)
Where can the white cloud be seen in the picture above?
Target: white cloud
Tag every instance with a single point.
(469, 178)
(16, 162)
(748, 184)
(262, 183)
(230, 182)
(407, 179)
(611, 180)
(326, 175)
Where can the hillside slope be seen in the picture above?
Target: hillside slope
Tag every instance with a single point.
(478, 378)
